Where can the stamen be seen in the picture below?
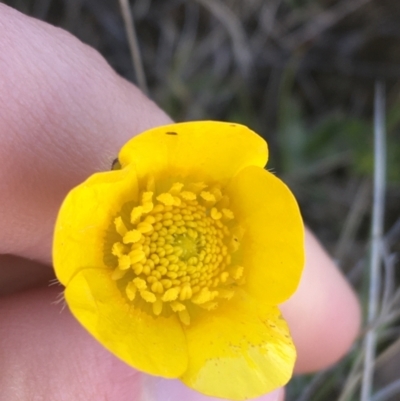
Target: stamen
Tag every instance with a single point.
(177, 250)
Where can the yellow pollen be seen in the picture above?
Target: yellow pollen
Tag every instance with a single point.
(118, 249)
(148, 296)
(179, 250)
(171, 294)
(187, 195)
(136, 256)
(140, 283)
(132, 236)
(136, 213)
(131, 291)
(120, 226)
(208, 196)
(124, 262)
(166, 198)
(215, 214)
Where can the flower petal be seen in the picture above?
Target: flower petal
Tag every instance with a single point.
(84, 218)
(219, 150)
(273, 243)
(152, 345)
(241, 350)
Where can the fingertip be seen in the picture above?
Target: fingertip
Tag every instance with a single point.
(324, 314)
(47, 353)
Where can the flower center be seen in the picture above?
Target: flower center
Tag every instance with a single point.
(178, 251)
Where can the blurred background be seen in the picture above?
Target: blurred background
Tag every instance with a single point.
(302, 74)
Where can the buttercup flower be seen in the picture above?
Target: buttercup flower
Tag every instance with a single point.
(176, 260)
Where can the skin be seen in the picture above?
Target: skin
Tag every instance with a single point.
(64, 114)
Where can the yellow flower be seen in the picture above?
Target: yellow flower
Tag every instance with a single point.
(176, 261)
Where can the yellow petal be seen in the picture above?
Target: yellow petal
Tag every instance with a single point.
(85, 216)
(216, 149)
(241, 350)
(273, 240)
(152, 345)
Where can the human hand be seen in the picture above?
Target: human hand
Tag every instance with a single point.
(64, 114)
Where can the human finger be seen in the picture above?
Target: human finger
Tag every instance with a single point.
(64, 114)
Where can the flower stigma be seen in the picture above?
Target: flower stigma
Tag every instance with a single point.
(178, 250)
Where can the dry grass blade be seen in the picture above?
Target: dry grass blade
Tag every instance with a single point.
(353, 220)
(377, 231)
(387, 392)
(133, 45)
(235, 30)
(323, 22)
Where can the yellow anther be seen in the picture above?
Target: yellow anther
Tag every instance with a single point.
(172, 275)
(136, 213)
(136, 256)
(166, 283)
(193, 261)
(120, 226)
(124, 262)
(151, 279)
(147, 196)
(139, 283)
(184, 317)
(118, 249)
(177, 201)
(160, 251)
(173, 258)
(224, 276)
(132, 237)
(171, 294)
(147, 207)
(117, 274)
(177, 306)
(148, 296)
(137, 268)
(187, 195)
(150, 263)
(130, 291)
(138, 245)
(157, 307)
(150, 184)
(176, 188)
(237, 272)
(144, 227)
(207, 196)
(186, 292)
(167, 216)
(146, 250)
(157, 287)
(209, 305)
(217, 193)
(158, 209)
(155, 258)
(202, 297)
(177, 217)
(166, 198)
(215, 214)
(173, 267)
(228, 214)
